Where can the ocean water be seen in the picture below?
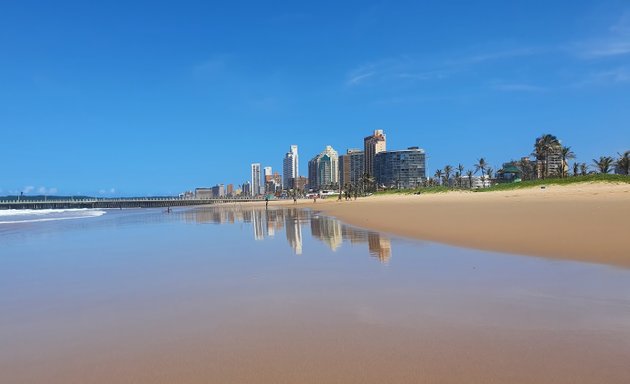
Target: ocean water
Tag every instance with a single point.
(238, 294)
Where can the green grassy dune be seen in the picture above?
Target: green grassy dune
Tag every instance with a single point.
(594, 178)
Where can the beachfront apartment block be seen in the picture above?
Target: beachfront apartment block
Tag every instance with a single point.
(351, 167)
(218, 191)
(203, 193)
(400, 169)
(323, 169)
(372, 145)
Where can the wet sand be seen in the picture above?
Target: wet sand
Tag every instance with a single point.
(586, 222)
(244, 295)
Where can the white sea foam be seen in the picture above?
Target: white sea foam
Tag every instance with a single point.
(14, 216)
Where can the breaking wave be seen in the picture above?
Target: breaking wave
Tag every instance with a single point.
(15, 216)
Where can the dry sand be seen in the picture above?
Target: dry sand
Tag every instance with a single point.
(586, 222)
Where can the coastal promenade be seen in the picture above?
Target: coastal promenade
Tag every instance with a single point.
(136, 202)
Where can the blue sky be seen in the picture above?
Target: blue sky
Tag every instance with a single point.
(148, 97)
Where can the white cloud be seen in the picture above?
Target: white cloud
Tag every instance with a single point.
(28, 189)
(615, 44)
(406, 69)
(518, 87)
(46, 191)
(613, 76)
(211, 67)
(357, 79)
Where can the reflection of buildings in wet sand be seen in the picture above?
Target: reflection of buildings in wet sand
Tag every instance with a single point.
(293, 229)
(275, 221)
(266, 222)
(327, 230)
(257, 224)
(380, 246)
(354, 235)
(206, 215)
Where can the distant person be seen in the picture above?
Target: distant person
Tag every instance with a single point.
(339, 198)
(267, 202)
(294, 198)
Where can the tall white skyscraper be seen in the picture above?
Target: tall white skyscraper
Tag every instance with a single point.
(256, 190)
(290, 167)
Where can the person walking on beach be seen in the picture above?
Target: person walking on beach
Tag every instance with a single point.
(266, 202)
(294, 197)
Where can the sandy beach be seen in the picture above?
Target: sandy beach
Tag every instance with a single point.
(586, 222)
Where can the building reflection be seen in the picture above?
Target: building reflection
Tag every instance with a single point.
(327, 230)
(266, 223)
(293, 228)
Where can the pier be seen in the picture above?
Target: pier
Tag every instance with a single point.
(139, 202)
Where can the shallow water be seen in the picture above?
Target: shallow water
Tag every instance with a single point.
(241, 295)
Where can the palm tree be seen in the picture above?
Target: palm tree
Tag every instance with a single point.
(366, 182)
(604, 163)
(623, 163)
(489, 172)
(565, 153)
(438, 176)
(583, 169)
(543, 147)
(447, 174)
(576, 167)
(469, 173)
(460, 169)
(481, 165)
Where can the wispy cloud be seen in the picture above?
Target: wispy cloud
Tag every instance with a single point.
(498, 55)
(609, 77)
(40, 190)
(395, 70)
(407, 69)
(358, 78)
(46, 191)
(518, 87)
(211, 67)
(616, 43)
(107, 191)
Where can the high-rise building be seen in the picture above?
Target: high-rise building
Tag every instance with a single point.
(247, 189)
(218, 191)
(266, 178)
(400, 169)
(229, 190)
(371, 146)
(256, 190)
(290, 167)
(323, 169)
(351, 167)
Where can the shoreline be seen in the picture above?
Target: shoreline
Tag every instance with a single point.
(582, 222)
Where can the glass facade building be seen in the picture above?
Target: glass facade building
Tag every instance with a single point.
(400, 169)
